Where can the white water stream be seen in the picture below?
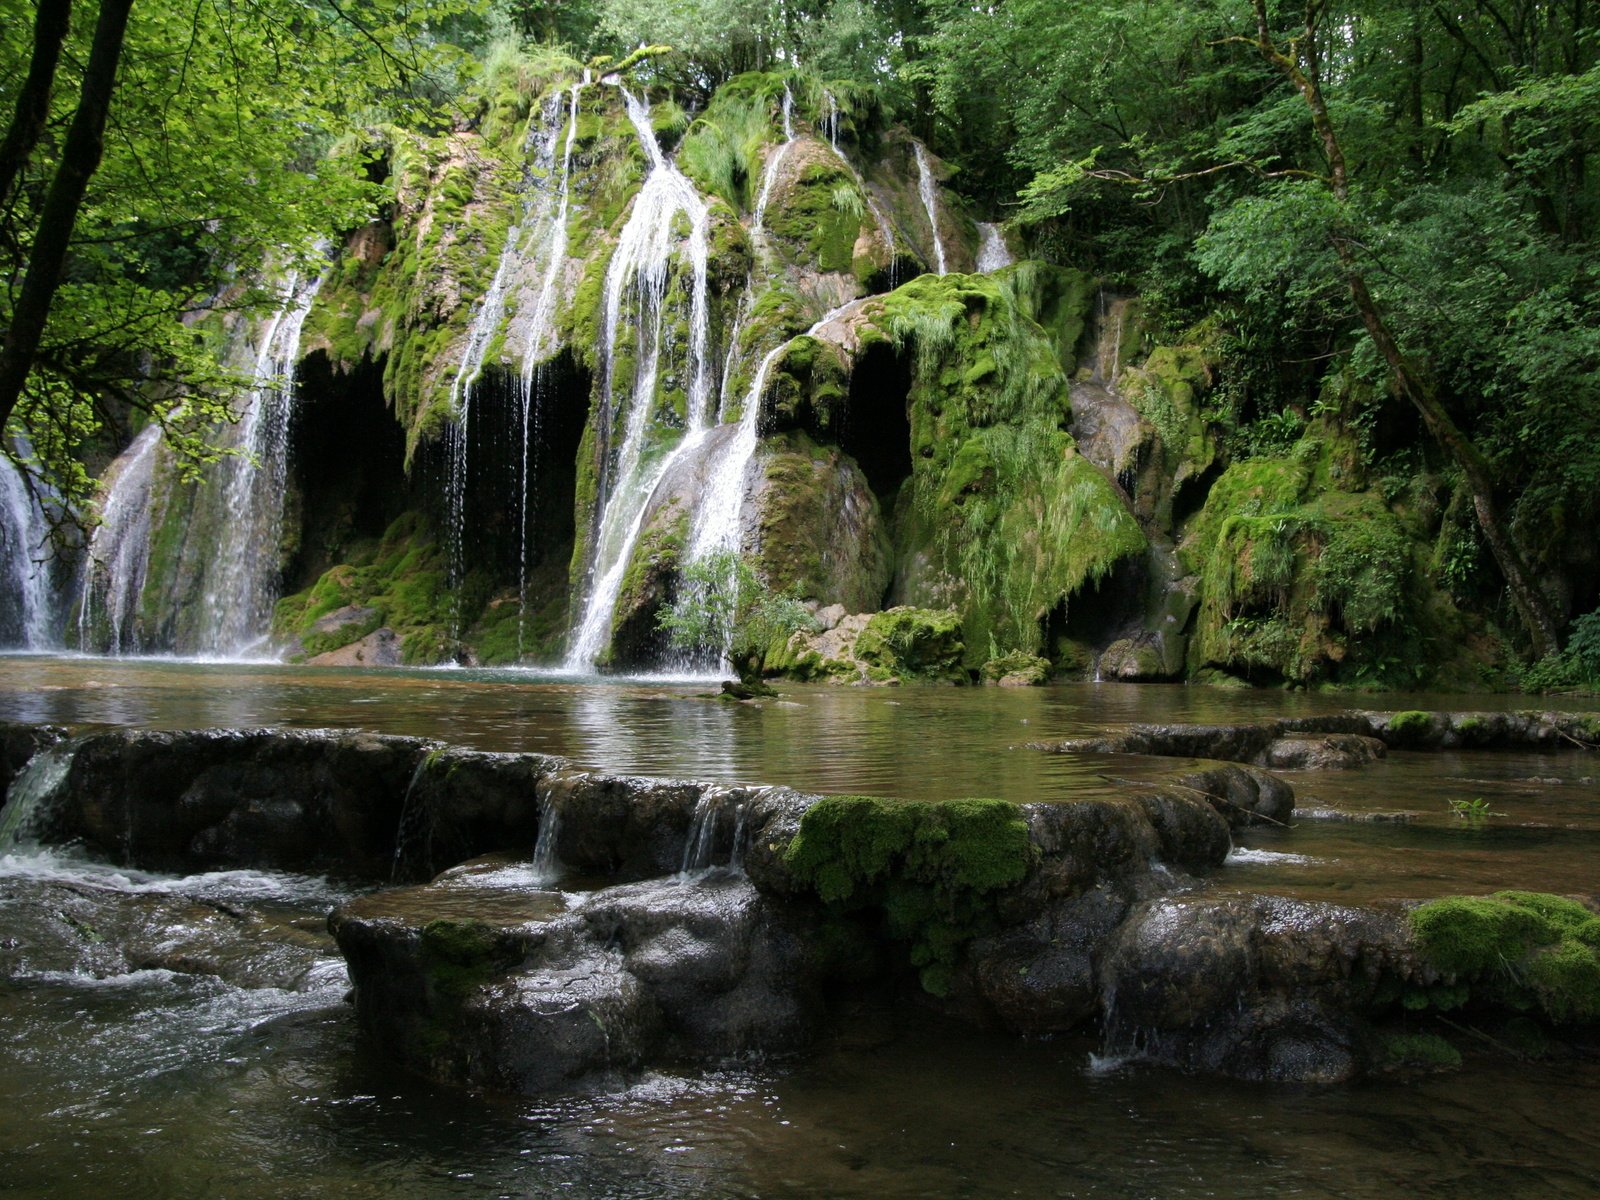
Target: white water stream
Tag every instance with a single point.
(119, 551)
(24, 542)
(639, 270)
(241, 578)
(993, 254)
(930, 203)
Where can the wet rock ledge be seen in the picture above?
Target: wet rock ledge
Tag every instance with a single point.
(538, 927)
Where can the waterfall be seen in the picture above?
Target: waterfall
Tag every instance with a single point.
(830, 118)
(546, 866)
(31, 791)
(24, 532)
(242, 577)
(992, 250)
(539, 203)
(119, 551)
(541, 327)
(930, 202)
(629, 473)
(758, 237)
(720, 513)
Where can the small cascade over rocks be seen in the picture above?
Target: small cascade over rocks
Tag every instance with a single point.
(993, 253)
(930, 204)
(546, 869)
(639, 272)
(29, 608)
(119, 551)
(30, 793)
(241, 580)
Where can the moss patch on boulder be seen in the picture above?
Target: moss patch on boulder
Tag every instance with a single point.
(932, 870)
(1529, 951)
(914, 643)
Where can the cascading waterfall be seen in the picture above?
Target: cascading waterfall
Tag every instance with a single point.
(993, 254)
(535, 359)
(546, 865)
(930, 202)
(830, 118)
(539, 152)
(720, 514)
(119, 552)
(24, 534)
(758, 237)
(31, 791)
(628, 475)
(240, 581)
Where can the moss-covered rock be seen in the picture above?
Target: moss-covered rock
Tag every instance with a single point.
(915, 643)
(818, 526)
(1530, 951)
(1300, 584)
(931, 869)
(1001, 517)
(1016, 670)
(399, 582)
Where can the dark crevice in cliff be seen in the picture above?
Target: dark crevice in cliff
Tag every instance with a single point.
(346, 464)
(876, 430)
(1100, 612)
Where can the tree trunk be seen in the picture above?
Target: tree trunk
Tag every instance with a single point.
(80, 158)
(33, 102)
(1532, 605)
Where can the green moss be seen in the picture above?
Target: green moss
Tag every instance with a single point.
(913, 643)
(1524, 950)
(461, 955)
(1300, 583)
(931, 869)
(1409, 726)
(403, 577)
(1419, 1051)
(1016, 666)
(1001, 516)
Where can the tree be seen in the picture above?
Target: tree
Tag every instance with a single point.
(723, 606)
(1300, 62)
(155, 179)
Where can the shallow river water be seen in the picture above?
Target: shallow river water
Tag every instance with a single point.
(154, 1084)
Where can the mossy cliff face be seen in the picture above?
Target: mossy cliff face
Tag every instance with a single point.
(916, 451)
(399, 583)
(1001, 517)
(1300, 581)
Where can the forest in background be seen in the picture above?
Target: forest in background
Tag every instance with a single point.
(1378, 217)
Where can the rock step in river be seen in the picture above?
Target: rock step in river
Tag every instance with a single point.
(619, 922)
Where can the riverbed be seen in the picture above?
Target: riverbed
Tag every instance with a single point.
(161, 1084)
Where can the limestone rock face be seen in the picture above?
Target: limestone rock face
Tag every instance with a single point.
(818, 526)
(380, 648)
(296, 800)
(1263, 988)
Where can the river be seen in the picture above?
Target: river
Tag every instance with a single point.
(149, 1083)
